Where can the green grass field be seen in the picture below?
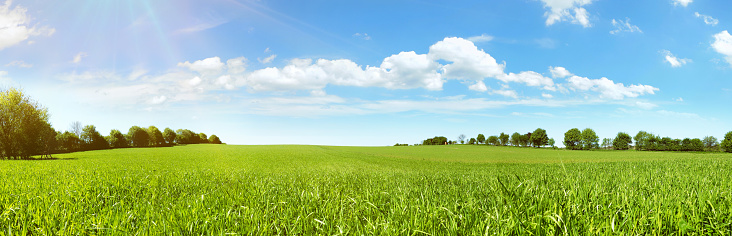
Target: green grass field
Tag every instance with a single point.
(424, 190)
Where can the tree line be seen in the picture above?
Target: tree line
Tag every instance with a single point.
(587, 139)
(26, 132)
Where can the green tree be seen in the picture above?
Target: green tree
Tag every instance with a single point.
(643, 140)
(622, 141)
(169, 136)
(515, 139)
(539, 138)
(92, 140)
(184, 136)
(23, 122)
(481, 138)
(710, 143)
(525, 140)
(589, 139)
(573, 139)
(696, 145)
(472, 141)
(493, 140)
(117, 139)
(503, 138)
(156, 137)
(727, 142)
(213, 139)
(138, 136)
(68, 142)
(551, 142)
(204, 139)
(461, 138)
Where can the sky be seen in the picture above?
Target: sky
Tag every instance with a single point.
(374, 73)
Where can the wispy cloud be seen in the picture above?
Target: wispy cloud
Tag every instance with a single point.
(78, 57)
(16, 27)
(707, 19)
(19, 63)
(363, 36)
(673, 60)
(624, 26)
(480, 38)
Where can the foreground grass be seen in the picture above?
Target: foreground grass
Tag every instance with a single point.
(448, 190)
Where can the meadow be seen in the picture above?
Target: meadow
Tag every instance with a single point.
(326, 190)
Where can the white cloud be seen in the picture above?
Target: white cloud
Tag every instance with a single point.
(559, 72)
(707, 19)
(609, 89)
(468, 62)
(78, 57)
(266, 50)
(673, 60)
(562, 10)
(268, 59)
(363, 36)
(201, 27)
(645, 105)
(506, 93)
(479, 86)
(679, 99)
(546, 95)
(480, 38)
(683, 3)
(529, 78)
(208, 66)
(723, 45)
(158, 100)
(19, 63)
(15, 26)
(624, 26)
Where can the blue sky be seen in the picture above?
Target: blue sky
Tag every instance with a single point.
(374, 72)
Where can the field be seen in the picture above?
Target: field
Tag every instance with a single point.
(424, 190)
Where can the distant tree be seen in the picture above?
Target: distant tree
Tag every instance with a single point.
(539, 138)
(435, 141)
(622, 141)
(203, 138)
(184, 136)
(68, 142)
(76, 128)
(503, 138)
(48, 140)
(156, 137)
(606, 143)
(643, 140)
(23, 123)
(551, 142)
(472, 141)
(493, 140)
(589, 139)
(727, 142)
(215, 140)
(138, 136)
(92, 140)
(525, 140)
(573, 139)
(710, 143)
(461, 138)
(117, 139)
(696, 145)
(515, 139)
(481, 138)
(169, 136)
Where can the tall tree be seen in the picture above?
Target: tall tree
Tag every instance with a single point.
(156, 137)
(589, 139)
(710, 143)
(481, 138)
(622, 141)
(515, 139)
(92, 140)
(76, 128)
(551, 142)
(472, 141)
(503, 138)
(493, 140)
(643, 140)
(214, 139)
(727, 142)
(169, 136)
(23, 122)
(117, 139)
(138, 136)
(461, 138)
(539, 138)
(573, 139)
(204, 139)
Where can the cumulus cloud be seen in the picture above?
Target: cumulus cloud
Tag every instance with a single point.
(506, 93)
(624, 26)
(707, 19)
(209, 66)
(683, 3)
(567, 10)
(559, 72)
(479, 86)
(673, 60)
(530, 78)
(723, 45)
(15, 25)
(468, 62)
(480, 38)
(546, 95)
